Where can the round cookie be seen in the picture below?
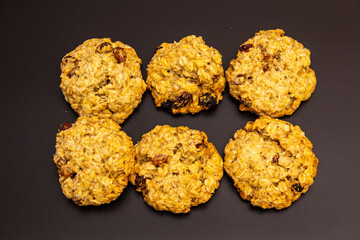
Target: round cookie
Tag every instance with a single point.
(271, 162)
(94, 160)
(271, 74)
(186, 76)
(176, 168)
(102, 78)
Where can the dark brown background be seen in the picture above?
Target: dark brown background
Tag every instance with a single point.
(37, 35)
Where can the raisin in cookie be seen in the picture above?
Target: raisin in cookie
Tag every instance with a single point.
(271, 74)
(176, 168)
(94, 159)
(186, 76)
(102, 78)
(271, 162)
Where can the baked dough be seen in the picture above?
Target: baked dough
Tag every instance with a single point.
(186, 76)
(102, 78)
(94, 160)
(271, 162)
(271, 74)
(176, 168)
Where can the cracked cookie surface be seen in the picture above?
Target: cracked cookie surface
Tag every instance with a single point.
(94, 160)
(102, 78)
(186, 76)
(271, 162)
(176, 168)
(271, 74)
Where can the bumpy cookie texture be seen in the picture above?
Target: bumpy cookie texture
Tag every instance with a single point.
(176, 168)
(186, 76)
(94, 160)
(102, 78)
(271, 74)
(271, 162)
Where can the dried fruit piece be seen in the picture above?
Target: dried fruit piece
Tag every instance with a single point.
(239, 80)
(119, 54)
(266, 68)
(167, 105)
(266, 57)
(183, 100)
(297, 187)
(246, 47)
(65, 126)
(101, 85)
(159, 159)
(275, 159)
(65, 171)
(201, 144)
(105, 47)
(207, 100)
(140, 182)
(78, 201)
(245, 102)
(69, 60)
(71, 63)
(198, 145)
(215, 78)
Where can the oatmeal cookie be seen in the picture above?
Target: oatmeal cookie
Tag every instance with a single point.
(176, 168)
(94, 160)
(271, 74)
(186, 76)
(271, 162)
(102, 78)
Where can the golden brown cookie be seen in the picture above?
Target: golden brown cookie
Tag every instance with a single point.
(271, 74)
(176, 168)
(94, 160)
(102, 78)
(186, 76)
(271, 162)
